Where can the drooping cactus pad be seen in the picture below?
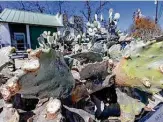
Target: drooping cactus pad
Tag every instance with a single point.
(52, 77)
(44, 74)
(141, 67)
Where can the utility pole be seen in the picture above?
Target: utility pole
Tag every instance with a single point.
(156, 17)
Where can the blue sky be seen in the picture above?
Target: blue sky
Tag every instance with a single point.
(125, 8)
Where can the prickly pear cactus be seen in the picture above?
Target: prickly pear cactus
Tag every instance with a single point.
(141, 66)
(44, 74)
(47, 40)
(47, 76)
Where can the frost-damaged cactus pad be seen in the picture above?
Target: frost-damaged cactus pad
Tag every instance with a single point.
(52, 79)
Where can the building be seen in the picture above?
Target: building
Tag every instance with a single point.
(22, 28)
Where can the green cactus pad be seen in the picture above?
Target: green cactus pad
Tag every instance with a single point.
(52, 79)
(143, 62)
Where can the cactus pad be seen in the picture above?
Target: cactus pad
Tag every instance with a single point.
(141, 67)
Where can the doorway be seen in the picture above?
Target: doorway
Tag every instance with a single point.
(18, 36)
(19, 41)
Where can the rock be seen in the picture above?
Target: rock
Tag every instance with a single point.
(49, 112)
(78, 93)
(88, 56)
(93, 69)
(1, 103)
(85, 115)
(4, 54)
(3, 79)
(76, 75)
(9, 114)
(129, 106)
(109, 80)
(115, 52)
(98, 47)
(10, 88)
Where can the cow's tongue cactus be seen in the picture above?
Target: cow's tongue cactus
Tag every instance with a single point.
(141, 67)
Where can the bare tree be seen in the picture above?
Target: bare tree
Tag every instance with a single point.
(43, 7)
(39, 7)
(49, 11)
(60, 4)
(87, 13)
(90, 9)
(22, 5)
(102, 5)
(31, 6)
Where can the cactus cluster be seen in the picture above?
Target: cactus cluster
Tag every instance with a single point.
(60, 81)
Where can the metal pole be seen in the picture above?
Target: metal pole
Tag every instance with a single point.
(100, 6)
(156, 18)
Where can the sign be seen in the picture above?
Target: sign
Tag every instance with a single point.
(156, 116)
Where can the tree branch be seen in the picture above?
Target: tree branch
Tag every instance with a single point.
(101, 6)
(83, 13)
(88, 12)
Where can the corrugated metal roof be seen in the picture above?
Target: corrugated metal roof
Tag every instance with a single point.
(26, 17)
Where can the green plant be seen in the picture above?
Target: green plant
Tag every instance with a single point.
(141, 66)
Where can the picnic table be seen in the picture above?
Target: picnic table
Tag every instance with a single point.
(17, 55)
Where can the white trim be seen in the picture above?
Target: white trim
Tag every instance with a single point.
(28, 36)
